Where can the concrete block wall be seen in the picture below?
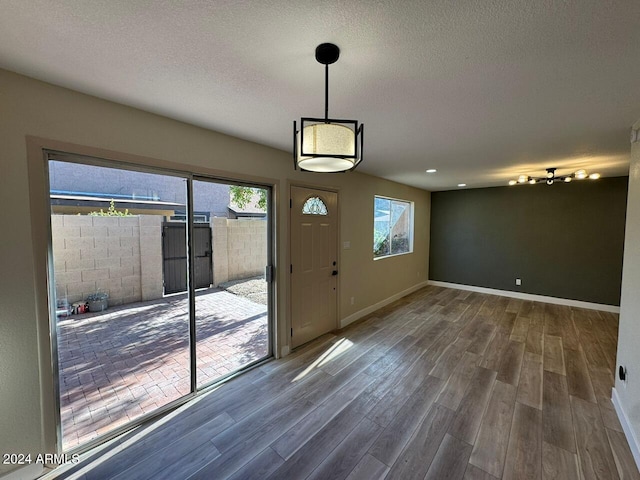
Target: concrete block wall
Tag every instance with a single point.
(151, 281)
(93, 254)
(247, 248)
(219, 242)
(239, 249)
(123, 255)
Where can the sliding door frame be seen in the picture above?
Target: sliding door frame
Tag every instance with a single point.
(53, 155)
(39, 153)
(269, 273)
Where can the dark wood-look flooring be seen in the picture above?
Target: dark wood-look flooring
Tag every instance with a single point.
(442, 384)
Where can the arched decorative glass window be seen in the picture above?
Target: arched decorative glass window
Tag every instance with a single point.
(314, 206)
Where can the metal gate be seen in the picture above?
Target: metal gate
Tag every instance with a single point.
(174, 256)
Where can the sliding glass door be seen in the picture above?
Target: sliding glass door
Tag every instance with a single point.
(158, 288)
(232, 317)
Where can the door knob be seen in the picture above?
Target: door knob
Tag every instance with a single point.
(334, 273)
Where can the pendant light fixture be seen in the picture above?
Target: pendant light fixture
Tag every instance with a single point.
(327, 144)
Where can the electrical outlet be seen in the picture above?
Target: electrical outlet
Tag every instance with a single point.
(518, 281)
(622, 375)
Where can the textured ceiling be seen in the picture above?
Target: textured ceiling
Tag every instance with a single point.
(480, 90)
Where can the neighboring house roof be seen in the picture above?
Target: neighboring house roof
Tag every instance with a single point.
(87, 180)
(251, 209)
(102, 200)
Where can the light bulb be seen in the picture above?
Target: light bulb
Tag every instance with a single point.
(550, 181)
(567, 179)
(581, 174)
(532, 181)
(522, 178)
(594, 176)
(432, 170)
(462, 184)
(512, 182)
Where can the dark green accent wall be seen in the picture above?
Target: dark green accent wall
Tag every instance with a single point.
(562, 240)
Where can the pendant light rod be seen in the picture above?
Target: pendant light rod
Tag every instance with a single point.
(326, 54)
(326, 93)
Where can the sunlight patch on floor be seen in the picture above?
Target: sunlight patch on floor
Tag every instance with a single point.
(332, 353)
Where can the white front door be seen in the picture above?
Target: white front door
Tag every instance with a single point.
(314, 263)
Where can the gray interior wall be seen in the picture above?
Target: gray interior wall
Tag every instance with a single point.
(563, 240)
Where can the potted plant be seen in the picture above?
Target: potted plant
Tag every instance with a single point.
(98, 301)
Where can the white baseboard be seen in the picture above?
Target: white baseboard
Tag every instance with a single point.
(529, 296)
(28, 472)
(372, 308)
(634, 445)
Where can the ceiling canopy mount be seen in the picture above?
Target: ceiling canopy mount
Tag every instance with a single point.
(327, 53)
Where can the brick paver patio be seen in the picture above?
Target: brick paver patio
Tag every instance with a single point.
(121, 364)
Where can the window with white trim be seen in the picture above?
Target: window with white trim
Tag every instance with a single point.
(392, 227)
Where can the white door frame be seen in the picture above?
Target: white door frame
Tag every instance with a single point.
(286, 349)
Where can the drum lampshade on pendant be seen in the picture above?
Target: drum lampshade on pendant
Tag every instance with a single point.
(327, 144)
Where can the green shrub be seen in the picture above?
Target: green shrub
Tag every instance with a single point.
(111, 212)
